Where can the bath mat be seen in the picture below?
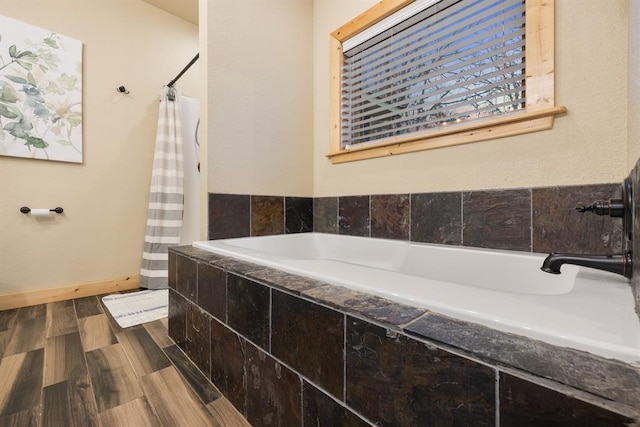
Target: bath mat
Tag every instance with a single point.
(134, 308)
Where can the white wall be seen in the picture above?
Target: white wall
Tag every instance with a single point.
(588, 145)
(260, 91)
(100, 235)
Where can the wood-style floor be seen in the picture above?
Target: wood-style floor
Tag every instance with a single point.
(69, 364)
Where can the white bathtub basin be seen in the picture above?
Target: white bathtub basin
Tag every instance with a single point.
(581, 308)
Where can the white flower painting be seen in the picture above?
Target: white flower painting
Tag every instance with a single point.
(40, 93)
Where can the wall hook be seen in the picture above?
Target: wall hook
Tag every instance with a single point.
(123, 89)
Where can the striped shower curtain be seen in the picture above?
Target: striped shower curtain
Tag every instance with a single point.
(166, 196)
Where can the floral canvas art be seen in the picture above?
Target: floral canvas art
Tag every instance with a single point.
(40, 93)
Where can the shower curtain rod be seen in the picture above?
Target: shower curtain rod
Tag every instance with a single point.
(184, 70)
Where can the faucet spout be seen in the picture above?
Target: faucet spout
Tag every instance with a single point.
(615, 263)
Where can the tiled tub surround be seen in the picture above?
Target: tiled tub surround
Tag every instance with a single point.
(287, 350)
(535, 219)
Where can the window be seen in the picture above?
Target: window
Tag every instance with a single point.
(411, 75)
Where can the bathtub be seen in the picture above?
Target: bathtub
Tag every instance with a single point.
(581, 308)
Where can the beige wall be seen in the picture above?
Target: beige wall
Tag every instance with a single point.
(260, 91)
(633, 122)
(259, 148)
(588, 145)
(203, 62)
(126, 42)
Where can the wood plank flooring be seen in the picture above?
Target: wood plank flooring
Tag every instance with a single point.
(68, 363)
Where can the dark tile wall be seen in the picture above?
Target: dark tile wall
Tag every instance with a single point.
(354, 216)
(241, 215)
(227, 363)
(267, 213)
(555, 220)
(309, 338)
(197, 339)
(536, 219)
(436, 217)
(273, 391)
(497, 219)
(292, 361)
(212, 290)
(229, 215)
(325, 215)
(385, 370)
(171, 278)
(248, 309)
(526, 404)
(188, 272)
(390, 216)
(320, 409)
(635, 245)
(178, 318)
(299, 214)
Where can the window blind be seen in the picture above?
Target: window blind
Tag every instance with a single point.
(455, 61)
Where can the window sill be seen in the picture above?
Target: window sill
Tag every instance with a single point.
(445, 136)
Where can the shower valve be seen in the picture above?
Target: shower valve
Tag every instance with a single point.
(615, 208)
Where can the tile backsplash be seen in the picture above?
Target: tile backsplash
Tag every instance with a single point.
(534, 219)
(497, 219)
(242, 215)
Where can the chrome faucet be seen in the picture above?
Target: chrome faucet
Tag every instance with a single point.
(616, 263)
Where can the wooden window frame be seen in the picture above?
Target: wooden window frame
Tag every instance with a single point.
(538, 114)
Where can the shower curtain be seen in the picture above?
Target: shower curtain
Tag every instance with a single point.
(166, 195)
